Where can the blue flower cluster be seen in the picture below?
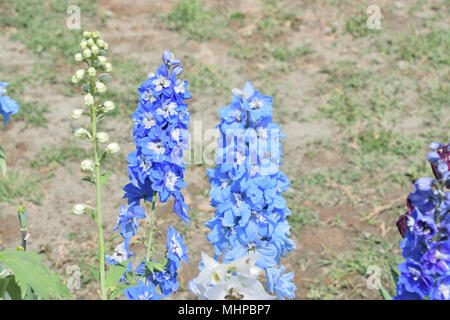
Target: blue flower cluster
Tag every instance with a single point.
(156, 167)
(8, 106)
(246, 188)
(426, 230)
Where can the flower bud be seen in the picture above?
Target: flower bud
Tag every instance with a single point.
(78, 57)
(90, 42)
(81, 132)
(88, 99)
(87, 165)
(102, 60)
(79, 74)
(100, 43)
(83, 44)
(75, 79)
(91, 71)
(102, 137)
(86, 34)
(100, 87)
(109, 106)
(94, 49)
(79, 209)
(87, 53)
(95, 34)
(108, 67)
(112, 148)
(105, 45)
(77, 113)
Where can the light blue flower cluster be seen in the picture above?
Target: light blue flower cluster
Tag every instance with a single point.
(8, 106)
(246, 188)
(156, 167)
(426, 229)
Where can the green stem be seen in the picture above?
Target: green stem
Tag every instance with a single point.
(101, 250)
(150, 233)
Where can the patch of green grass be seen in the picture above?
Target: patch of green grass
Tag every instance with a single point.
(357, 25)
(436, 99)
(41, 25)
(59, 155)
(33, 113)
(430, 49)
(301, 217)
(202, 77)
(16, 186)
(191, 18)
(285, 54)
(385, 141)
(347, 274)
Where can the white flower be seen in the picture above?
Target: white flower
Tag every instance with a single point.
(102, 137)
(100, 43)
(112, 148)
(148, 120)
(108, 67)
(156, 147)
(171, 179)
(235, 280)
(90, 42)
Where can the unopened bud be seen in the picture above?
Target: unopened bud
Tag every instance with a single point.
(75, 79)
(83, 44)
(91, 71)
(90, 42)
(109, 106)
(86, 34)
(78, 57)
(100, 43)
(87, 165)
(79, 209)
(112, 148)
(100, 87)
(87, 53)
(108, 67)
(88, 99)
(94, 49)
(102, 60)
(79, 74)
(81, 132)
(77, 113)
(102, 137)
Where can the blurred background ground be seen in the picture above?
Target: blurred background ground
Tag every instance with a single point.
(359, 106)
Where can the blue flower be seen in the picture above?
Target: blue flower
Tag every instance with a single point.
(8, 106)
(426, 230)
(246, 188)
(156, 167)
(142, 292)
(176, 250)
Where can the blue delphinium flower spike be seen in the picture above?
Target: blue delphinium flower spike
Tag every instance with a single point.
(8, 106)
(247, 187)
(156, 167)
(425, 230)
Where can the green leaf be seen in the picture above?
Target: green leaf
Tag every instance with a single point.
(114, 274)
(89, 179)
(104, 177)
(2, 160)
(154, 266)
(394, 274)
(384, 293)
(9, 290)
(29, 270)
